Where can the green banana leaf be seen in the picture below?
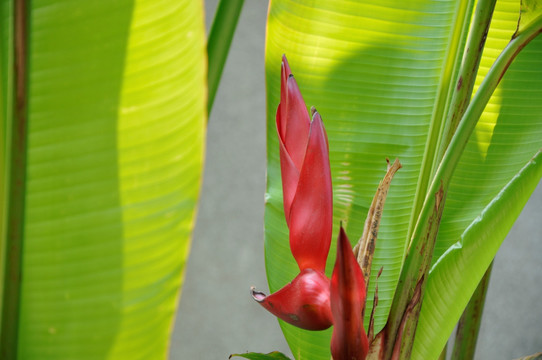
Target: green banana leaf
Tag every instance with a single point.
(116, 96)
(375, 71)
(275, 355)
(499, 158)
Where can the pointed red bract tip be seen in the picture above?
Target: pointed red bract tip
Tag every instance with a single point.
(293, 128)
(349, 340)
(303, 303)
(297, 123)
(293, 120)
(285, 65)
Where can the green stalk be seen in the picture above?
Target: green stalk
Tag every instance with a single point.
(464, 66)
(6, 108)
(442, 355)
(413, 274)
(474, 111)
(448, 75)
(16, 192)
(468, 71)
(460, 99)
(219, 41)
(469, 324)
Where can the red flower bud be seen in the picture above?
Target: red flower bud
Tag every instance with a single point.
(307, 194)
(349, 340)
(304, 302)
(306, 176)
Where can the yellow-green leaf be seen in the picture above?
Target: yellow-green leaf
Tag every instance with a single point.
(116, 112)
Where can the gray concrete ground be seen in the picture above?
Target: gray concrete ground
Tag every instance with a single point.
(217, 316)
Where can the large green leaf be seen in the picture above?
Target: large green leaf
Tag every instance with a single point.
(507, 136)
(376, 72)
(116, 110)
(457, 273)
(372, 70)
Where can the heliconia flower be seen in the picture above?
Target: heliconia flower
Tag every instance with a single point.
(307, 194)
(306, 176)
(349, 340)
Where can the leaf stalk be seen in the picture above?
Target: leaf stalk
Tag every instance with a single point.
(218, 43)
(467, 73)
(469, 324)
(413, 269)
(16, 191)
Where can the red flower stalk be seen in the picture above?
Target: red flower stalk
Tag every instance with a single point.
(349, 340)
(307, 194)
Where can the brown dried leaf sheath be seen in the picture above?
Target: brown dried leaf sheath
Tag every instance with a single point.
(364, 250)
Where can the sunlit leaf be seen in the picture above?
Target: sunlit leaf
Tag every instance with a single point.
(507, 136)
(529, 11)
(373, 71)
(116, 111)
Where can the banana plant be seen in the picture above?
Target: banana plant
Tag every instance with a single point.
(394, 80)
(103, 113)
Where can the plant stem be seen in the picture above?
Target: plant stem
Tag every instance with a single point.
(16, 192)
(413, 272)
(417, 270)
(467, 73)
(218, 43)
(469, 324)
(479, 101)
(416, 275)
(461, 96)
(442, 355)
(449, 73)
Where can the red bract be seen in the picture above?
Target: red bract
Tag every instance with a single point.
(303, 303)
(307, 194)
(348, 341)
